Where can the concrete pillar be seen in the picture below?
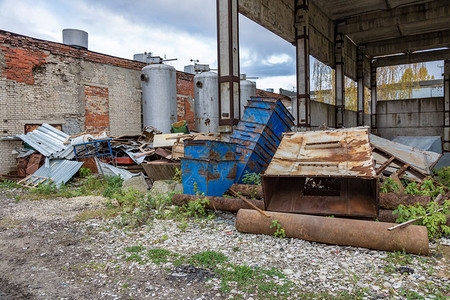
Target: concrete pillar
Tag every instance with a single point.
(228, 63)
(302, 108)
(447, 105)
(360, 91)
(373, 99)
(339, 79)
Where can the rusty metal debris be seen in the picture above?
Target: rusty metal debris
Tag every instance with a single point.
(218, 203)
(338, 231)
(327, 172)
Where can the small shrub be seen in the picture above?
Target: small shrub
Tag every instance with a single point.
(177, 177)
(85, 172)
(435, 222)
(279, 231)
(389, 185)
(251, 178)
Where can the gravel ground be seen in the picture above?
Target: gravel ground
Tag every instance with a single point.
(46, 254)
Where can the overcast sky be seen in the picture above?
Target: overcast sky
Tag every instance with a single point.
(171, 28)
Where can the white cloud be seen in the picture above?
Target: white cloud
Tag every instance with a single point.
(277, 59)
(276, 82)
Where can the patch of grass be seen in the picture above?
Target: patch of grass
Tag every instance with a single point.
(209, 259)
(399, 258)
(8, 184)
(158, 255)
(135, 258)
(264, 282)
(103, 213)
(135, 249)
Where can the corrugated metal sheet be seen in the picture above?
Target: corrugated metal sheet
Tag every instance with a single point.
(109, 170)
(427, 143)
(59, 171)
(331, 153)
(422, 160)
(48, 141)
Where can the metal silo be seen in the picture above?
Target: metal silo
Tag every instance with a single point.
(248, 89)
(159, 96)
(206, 90)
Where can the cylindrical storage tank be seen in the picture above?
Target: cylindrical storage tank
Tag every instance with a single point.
(159, 96)
(248, 89)
(75, 38)
(206, 90)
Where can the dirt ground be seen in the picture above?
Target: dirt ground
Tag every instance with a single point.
(47, 253)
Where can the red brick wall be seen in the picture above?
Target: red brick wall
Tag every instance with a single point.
(19, 63)
(22, 54)
(185, 98)
(29, 43)
(97, 108)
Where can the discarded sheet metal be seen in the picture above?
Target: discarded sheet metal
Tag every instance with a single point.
(58, 172)
(109, 170)
(208, 167)
(327, 172)
(426, 143)
(416, 158)
(161, 169)
(259, 133)
(49, 141)
(338, 231)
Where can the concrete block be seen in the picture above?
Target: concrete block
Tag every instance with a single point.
(402, 106)
(431, 104)
(136, 183)
(431, 119)
(382, 107)
(407, 120)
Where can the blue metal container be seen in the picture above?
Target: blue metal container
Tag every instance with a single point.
(205, 149)
(208, 177)
(272, 103)
(259, 134)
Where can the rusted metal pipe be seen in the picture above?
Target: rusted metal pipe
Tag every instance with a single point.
(249, 190)
(345, 232)
(219, 203)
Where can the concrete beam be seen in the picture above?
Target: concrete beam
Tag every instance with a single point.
(408, 44)
(303, 105)
(360, 90)
(401, 21)
(276, 16)
(412, 58)
(228, 62)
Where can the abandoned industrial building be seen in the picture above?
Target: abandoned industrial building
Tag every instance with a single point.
(128, 178)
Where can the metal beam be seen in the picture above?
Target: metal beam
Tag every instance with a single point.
(360, 89)
(408, 44)
(303, 107)
(373, 99)
(339, 79)
(412, 58)
(447, 105)
(228, 61)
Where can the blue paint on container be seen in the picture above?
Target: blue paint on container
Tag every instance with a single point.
(208, 177)
(209, 167)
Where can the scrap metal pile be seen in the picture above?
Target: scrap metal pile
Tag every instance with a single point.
(52, 156)
(306, 178)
